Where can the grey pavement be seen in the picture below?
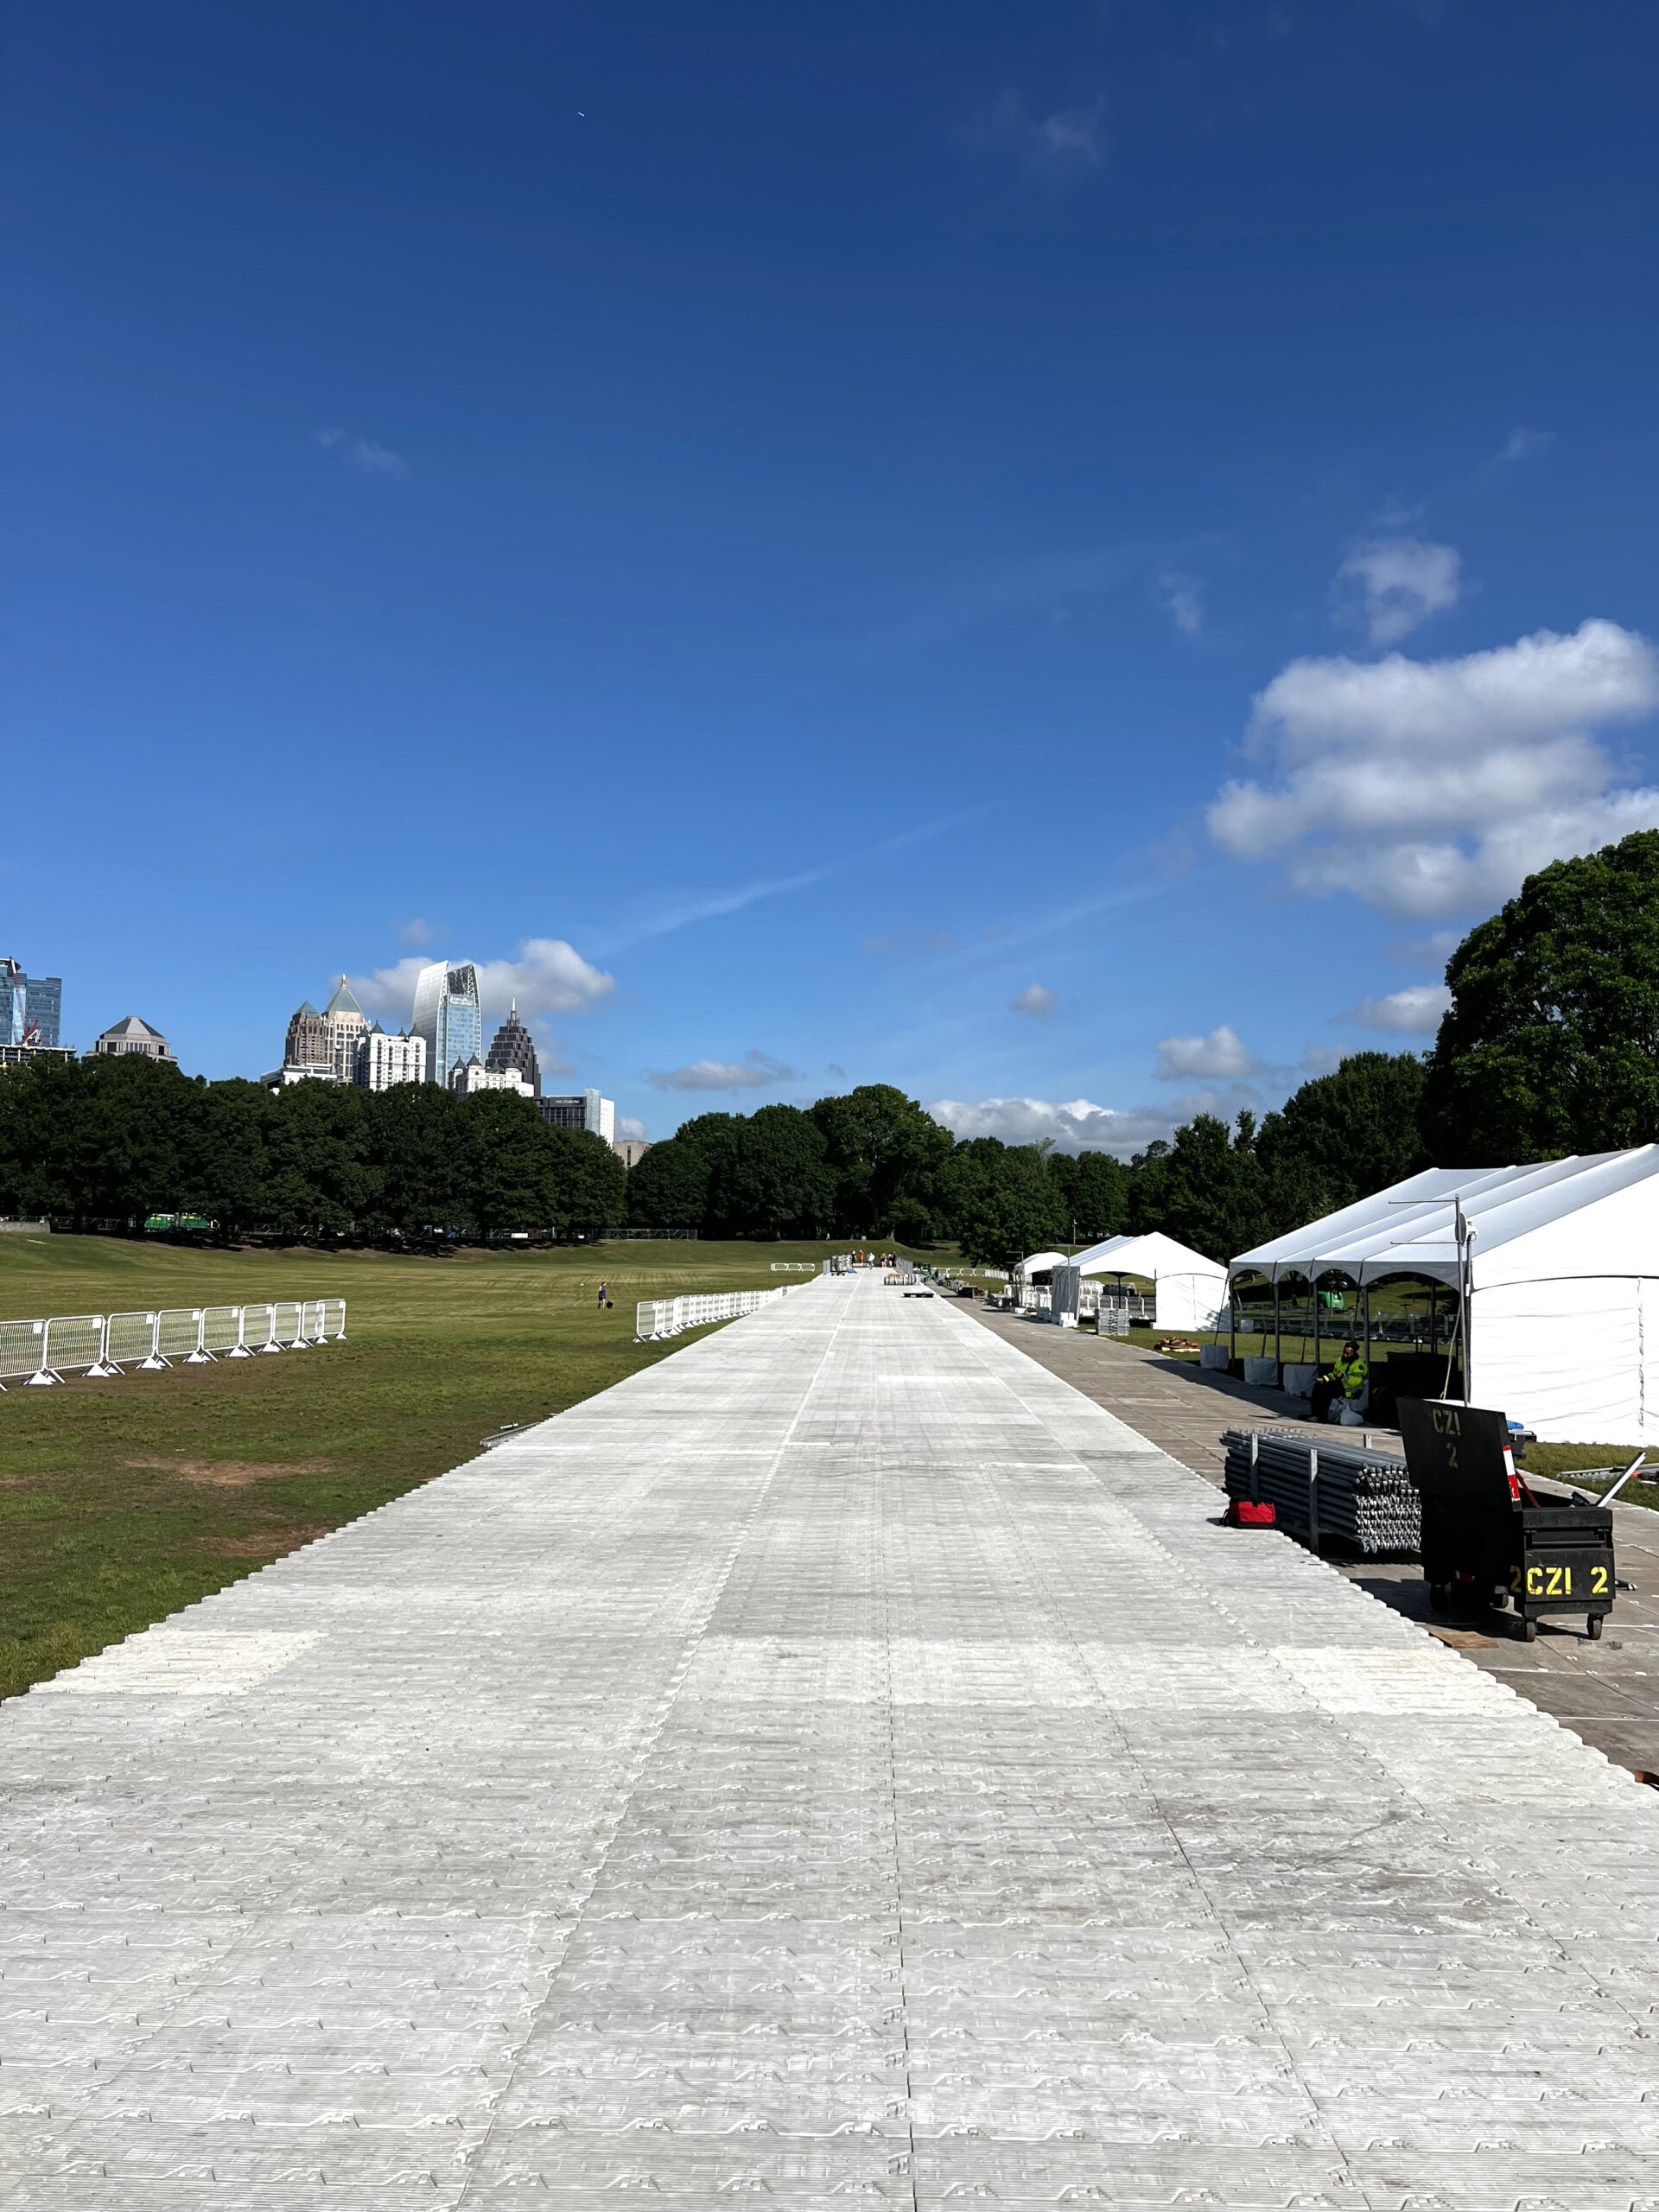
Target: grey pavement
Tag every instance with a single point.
(842, 1762)
(1606, 1692)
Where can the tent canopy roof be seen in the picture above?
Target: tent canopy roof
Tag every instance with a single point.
(1038, 1263)
(1411, 1228)
(1152, 1255)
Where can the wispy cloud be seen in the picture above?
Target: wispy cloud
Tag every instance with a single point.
(1067, 141)
(1182, 599)
(1416, 1009)
(1036, 999)
(1524, 445)
(754, 1071)
(627, 1126)
(417, 932)
(1401, 581)
(367, 455)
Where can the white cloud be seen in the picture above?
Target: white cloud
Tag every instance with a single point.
(1438, 946)
(367, 454)
(417, 932)
(549, 976)
(1037, 999)
(1081, 1126)
(753, 1072)
(1525, 445)
(1434, 787)
(1417, 1009)
(1222, 1052)
(1068, 141)
(626, 1125)
(1401, 581)
(1324, 1059)
(1182, 599)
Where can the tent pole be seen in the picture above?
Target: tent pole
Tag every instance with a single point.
(1314, 1288)
(1365, 1299)
(1278, 1350)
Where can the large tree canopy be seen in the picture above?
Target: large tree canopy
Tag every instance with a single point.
(1551, 1045)
(112, 1140)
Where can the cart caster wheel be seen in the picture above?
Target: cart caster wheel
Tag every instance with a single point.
(1592, 1627)
(1529, 1631)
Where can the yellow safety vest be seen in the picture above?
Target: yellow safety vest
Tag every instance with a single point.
(1352, 1375)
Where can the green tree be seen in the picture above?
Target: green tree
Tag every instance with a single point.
(589, 1181)
(225, 1157)
(510, 1173)
(1000, 1201)
(319, 1173)
(1342, 1136)
(1093, 1192)
(1208, 1189)
(779, 1184)
(668, 1187)
(1551, 1044)
(98, 1139)
(417, 1154)
(886, 1152)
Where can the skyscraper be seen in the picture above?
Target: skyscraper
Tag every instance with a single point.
(447, 1014)
(513, 1047)
(30, 1005)
(308, 1044)
(348, 1027)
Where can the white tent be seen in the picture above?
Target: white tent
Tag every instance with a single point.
(1039, 1263)
(1561, 1274)
(1190, 1291)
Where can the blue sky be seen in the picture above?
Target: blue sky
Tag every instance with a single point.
(1048, 556)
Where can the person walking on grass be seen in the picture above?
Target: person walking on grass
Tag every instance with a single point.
(604, 1299)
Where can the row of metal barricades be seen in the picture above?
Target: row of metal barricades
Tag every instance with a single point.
(104, 1345)
(656, 1317)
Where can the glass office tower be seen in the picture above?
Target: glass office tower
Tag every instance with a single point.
(31, 1007)
(447, 1014)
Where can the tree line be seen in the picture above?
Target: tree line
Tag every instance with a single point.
(107, 1142)
(874, 1163)
(1550, 1045)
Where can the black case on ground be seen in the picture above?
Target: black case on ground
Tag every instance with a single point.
(1482, 1543)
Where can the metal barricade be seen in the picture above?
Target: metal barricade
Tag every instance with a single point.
(20, 1347)
(108, 1344)
(657, 1318)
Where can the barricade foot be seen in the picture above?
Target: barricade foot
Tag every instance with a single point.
(197, 1359)
(153, 1365)
(42, 1380)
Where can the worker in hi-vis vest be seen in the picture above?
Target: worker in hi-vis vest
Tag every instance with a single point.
(1343, 1382)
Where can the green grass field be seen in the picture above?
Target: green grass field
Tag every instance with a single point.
(121, 1501)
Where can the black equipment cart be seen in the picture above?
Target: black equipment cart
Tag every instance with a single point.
(1486, 1538)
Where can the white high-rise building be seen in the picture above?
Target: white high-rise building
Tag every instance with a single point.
(384, 1061)
(475, 1076)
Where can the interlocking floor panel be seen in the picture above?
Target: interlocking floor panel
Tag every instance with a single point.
(839, 1763)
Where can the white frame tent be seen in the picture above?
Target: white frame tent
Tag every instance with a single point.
(1189, 1291)
(1038, 1263)
(1558, 1277)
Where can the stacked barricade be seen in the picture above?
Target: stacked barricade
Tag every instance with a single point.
(656, 1317)
(100, 1345)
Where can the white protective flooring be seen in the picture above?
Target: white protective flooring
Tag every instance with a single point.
(840, 1764)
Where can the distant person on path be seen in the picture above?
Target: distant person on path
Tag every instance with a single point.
(604, 1299)
(1345, 1383)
